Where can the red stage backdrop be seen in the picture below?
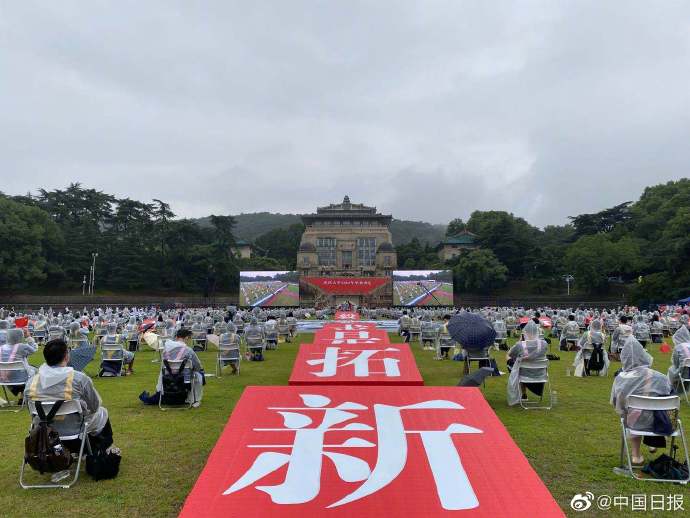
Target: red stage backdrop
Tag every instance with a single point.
(327, 364)
(365, 452)
(347, 285)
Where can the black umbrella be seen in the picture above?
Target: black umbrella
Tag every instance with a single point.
(476, 378)
(471, 330)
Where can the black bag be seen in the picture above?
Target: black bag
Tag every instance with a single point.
(43, 450)
(175, 389)
(666, 468)
(596, 360)
(110, 368)
(102, 464)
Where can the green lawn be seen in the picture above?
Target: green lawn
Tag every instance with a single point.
(573, 447)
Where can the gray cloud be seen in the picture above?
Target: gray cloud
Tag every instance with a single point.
(428, 110)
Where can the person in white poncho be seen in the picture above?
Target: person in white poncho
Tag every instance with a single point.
(591, 345)
(681, 352)
(56, 381)
(531, 348)
(638, 378)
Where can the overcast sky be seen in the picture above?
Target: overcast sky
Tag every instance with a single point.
(428, 110)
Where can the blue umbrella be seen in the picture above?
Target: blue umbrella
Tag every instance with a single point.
(81, 356)
(471, 330)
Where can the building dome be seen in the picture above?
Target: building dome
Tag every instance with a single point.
(385, 247)
(307, 247)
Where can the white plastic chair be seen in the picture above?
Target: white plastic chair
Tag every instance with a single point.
(71, 425)
(12, 374)
(649, 403)
(228, 352)
(113, 353)
(542, 368)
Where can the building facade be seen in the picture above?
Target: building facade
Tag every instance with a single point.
(242, 250)
(453, 246)
(347, 240)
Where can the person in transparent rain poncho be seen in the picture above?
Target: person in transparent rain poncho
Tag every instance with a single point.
(54, 380)
(17, 350)
(639, 379)
(681, 352)
(531, 348)
(593, 336)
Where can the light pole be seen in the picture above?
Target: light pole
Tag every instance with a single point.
(83, 286)
(568, 279)
(93, 272)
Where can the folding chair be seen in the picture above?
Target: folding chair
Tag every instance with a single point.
(415, 332)
(71, 426)
(283, 332)
(228, 352)
(429, 336)
(175, 366)
(114, 354)
(39, 335)
(541, 369)
(685, 378)
(443, 343)
(670, 404)
(199, 340)
(476, 356)
(255, 345)
(12, 374)
(271, 338)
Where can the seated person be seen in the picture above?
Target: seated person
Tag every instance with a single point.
(681, 352)
(16, 350)
(78, 336)
(641, 330)
(638, 378)
(54, 381)
(178, 349)
(446, 343)
(404, 326)
(592, 339)
(255, 338)
(530, 348)
(570, 334)
(292, 324)
(620, 335)
(112, 338)
(4, 327)
(230, 339)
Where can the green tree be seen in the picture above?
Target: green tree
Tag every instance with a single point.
(30, 241)
(480, 271)
(456, 226)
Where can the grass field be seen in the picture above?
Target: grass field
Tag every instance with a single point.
(573, 447)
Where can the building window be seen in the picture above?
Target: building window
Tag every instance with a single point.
(347, 258)
(366, 251)
(325, 249)
(305, 261)
(387, 260)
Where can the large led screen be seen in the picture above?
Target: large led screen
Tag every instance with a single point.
(269, 289)
(423, 288)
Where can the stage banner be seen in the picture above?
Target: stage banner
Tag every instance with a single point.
(360, 364)
(346, 315)
(347, 285)
(367, 451)
(351, 333)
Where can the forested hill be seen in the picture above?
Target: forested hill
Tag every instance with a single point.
(250, 226)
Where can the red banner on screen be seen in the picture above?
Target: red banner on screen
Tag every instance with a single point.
(347, 285)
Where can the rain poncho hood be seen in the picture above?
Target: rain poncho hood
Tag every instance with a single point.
(51, 376)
